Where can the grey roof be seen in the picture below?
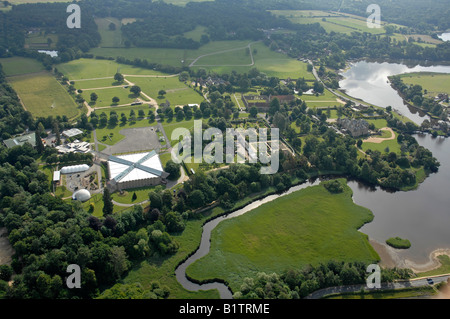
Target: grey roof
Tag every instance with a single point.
(20, 140)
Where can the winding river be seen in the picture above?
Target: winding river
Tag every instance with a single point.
(422, 215)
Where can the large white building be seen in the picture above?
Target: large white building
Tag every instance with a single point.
(135, 170)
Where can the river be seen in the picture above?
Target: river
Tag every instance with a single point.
(369, 81)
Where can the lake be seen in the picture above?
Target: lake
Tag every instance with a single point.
(369, 81)
(444, 36)
(422, 215)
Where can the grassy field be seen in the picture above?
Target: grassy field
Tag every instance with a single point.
(443, 269)
(306, 227)
(434, 83)
(330, 21)
(381, 147)
(43, 95)
(178, 93)
(267, 61)
(19, 66)
(39, 41)
(115, 131)
(110, 38)
(322, 101)
(94, 69)
(105, 96)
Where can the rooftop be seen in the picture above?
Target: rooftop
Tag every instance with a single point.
(20, 140)
(138, 166)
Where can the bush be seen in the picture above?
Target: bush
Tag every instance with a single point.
(334, 186)
(398, 243)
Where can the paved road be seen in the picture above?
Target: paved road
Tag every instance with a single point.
(342, 97)
(413, 283)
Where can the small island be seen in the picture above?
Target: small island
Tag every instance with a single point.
(398, 243)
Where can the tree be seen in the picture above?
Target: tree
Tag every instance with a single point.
(253, 111)
(136, 90)
(173, 169)
(119, 261)
(161, 93)
(56, 132)
(39, 144)
(115, 100)
(119, 77)
(112, 26)
(94, 96)
(108, 205)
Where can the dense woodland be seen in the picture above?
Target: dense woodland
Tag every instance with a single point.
(296, 284)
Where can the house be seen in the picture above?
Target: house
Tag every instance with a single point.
(355, 127)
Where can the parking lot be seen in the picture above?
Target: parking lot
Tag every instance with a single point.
(136, 140)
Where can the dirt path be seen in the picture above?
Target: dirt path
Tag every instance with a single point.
(378, 140)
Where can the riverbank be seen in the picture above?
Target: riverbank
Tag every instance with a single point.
(391, 257)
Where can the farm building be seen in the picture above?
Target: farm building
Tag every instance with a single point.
(135, 170)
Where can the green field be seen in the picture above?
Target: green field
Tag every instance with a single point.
(94, 69)
(178, 93)
(330, 21)
(381, 147)
(306, 227)
(111, 135)
(267, 61)
(19, 66)
(110, 38)
(105, 96)
(43, 95)
(443, 269)
(434, 83)
(39, 41)
(325, 100)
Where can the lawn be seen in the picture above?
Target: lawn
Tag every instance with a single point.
(443, 269)
(306, 227)
(270, 62)
(94, 69)
(434, 83)
(330, 21)
(43, 95)
(381, 147)
(322, 101)
(110, 38)
(39, 41)
(127, 196)
(111, 136)
(19, 66)
(169, 127)
(178, 93)
(105, 96)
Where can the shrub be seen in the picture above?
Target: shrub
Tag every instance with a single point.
(398, 243)
(334, 186)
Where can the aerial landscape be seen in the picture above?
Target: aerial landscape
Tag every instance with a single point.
(218, 150)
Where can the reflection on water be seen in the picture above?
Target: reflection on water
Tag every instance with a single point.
(444, 36)
(369, 81)
(422, 215)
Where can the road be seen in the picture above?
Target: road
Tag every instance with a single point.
(342, 97)
(413, 283)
